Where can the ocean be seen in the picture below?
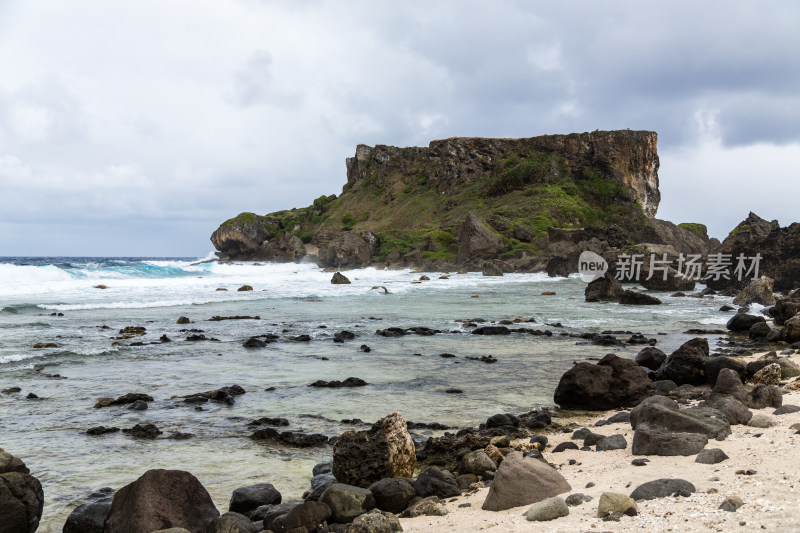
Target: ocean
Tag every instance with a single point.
(55, 301)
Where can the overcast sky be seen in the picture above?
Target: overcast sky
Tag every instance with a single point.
(137, 127)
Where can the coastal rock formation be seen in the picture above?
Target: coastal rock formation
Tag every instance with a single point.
(613, 382)
(465, 199)
(476, 240)
(161, 499)
(778, 247)
(758, 291)
(386, 450)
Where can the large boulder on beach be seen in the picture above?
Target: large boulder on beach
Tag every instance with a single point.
(90, 516)
(786, 308)
(710, 422)
(161, 499)
(361, 458)
(521, 481)
(791, 329)
(476, 240)
(296, 518)
(434, 481)
(393, 494)
(743, 322)
(650, 357)
(612, 383)
(662, 488)
(21, 502)
(245, 500)
(606, 288)
(346, 502)
(656, 441)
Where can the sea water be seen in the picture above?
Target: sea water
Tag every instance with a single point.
(56, 300)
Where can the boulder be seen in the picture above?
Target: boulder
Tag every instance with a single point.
(546, 510)
(430, 506)
(638, 298)
(662, 488)
(611, 502)
(339, 279)
(650, 357)
(288, 247)
(346, 502)
(349, 250)
(743, 322)
(477, 463)
(758, 291)
(433, 481)
(612, 383)
(763, 396)
(90, 516)
(791, 329)
(245, 500)
(21, 502)
(230, 523)
(476, 240)
(734, 410)
(704, 420)
(715, 366)
(606, 288)
(612, 442)
(656, 441)
(361, 458)
(305, 517)
(730, 383)
(393, 494)
(762, 421)
(241, 237)
(161, 499)
(522, 481)
(673, 281)
(786, 308)
(711, 456)
(374, 521)
(491, 268)
(686, 365)
(663, 232)
(759, 330)
(640, 412)
(769, 375)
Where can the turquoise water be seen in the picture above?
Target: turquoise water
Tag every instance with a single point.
(404, 374)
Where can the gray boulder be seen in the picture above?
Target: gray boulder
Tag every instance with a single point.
(613, 442)
(21, 502)
(433, 481)
(476, 240)
(230, 523)
(657, 441)
(711, 456)
(546, 510)
(661, 488)
(346, 502)
(374, 521)
(758, 291)
(307, 516)
(522, 481)
(393, 494)
(245, 500)
(477, 463)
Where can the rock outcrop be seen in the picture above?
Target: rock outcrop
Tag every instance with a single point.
(386, 450)
(476, 240)
(21, 496)
(613, 382)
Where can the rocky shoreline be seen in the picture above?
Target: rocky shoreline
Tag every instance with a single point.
(682, 403)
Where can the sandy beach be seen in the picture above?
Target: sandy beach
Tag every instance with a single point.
(770, 494)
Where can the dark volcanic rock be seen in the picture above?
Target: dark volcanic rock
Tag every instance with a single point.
(434, 481)
(88, 518)
(231, 523)
(743, 322)
(638, 298)
(385, 450)
(393, 494)
(607, 288)
(476, 240)
(21, 496)
(686, 365)
(161, 499)
(349, 382)
(656, 441)
(143, 431)
(245, 500)
(346, 502)
(612, 383)
(650, 357)
(662, 488)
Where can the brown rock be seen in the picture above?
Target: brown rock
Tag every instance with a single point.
(522, 481)
(758, 291)
(361, 458)
(476, 240)
(161, 499)
(769, 375)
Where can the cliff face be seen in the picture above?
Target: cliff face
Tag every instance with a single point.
(406, 205)
(626, 158)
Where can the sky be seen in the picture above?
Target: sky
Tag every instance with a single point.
(134, 128)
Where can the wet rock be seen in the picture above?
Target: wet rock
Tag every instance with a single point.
(161, 499)
(131, 397)
(143, 431)
(650, 357)
(687, 364)
(546, 510)
(393, 494)
(101, 430)
(385, 450)
(638, 298)
(492, 268)
(606, 288)
(21, 502)
(349, 382)
(612, 383)
(89, 517)
(305, 517)
(231, 523)
(344, 336)
(662, 488)
(711, 456)
(346, 502)
(491, 330)
(743, 322)
(522, 481)
(245, 500)
(245, 288)
(226, 395)
(182, 320)
(138, 405)
(757, 291)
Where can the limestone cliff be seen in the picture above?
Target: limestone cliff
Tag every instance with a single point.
(409, 205)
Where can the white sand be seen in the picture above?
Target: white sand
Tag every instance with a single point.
(771, 496)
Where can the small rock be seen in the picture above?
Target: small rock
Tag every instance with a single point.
(548, 509)
(711, 456)
(576, 499)
(762, 421)
(731, 504)
(613, 442)
(339, 279)
(245, 288)
(427, 507)
(568, 445)
(611, 502)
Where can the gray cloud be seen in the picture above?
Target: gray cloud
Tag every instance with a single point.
(158, 129)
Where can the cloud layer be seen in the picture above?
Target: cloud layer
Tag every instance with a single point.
(135, 128)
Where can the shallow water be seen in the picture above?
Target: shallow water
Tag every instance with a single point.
(404, 374)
